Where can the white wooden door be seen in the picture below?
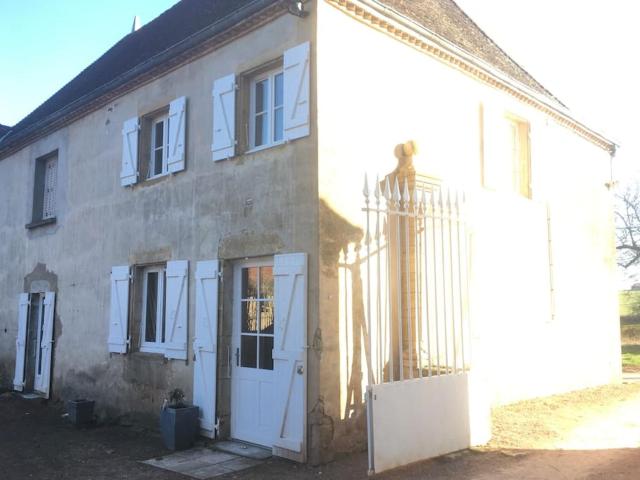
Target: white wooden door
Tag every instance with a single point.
(205, 345)
(45, 344)
(253, 399)
(290, 354)
(21, 341)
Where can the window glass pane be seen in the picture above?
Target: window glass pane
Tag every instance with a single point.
(250, 282)
(40, 337)
(248, 351)
(259, 131)
(266, 282)
(159, 135)
(151, 307)
(157, 162)
(249, 317)
(164, 304)
(266, 317)
(266, 353)
(261, 96)
(278, 124)
(278, 90)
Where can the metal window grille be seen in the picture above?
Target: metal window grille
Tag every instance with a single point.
(49, 193)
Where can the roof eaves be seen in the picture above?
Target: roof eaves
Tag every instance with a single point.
(471, 64)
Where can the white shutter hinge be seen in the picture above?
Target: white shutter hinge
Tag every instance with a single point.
(216, 426)
(129, 340)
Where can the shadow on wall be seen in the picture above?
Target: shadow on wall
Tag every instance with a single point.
(338, 419)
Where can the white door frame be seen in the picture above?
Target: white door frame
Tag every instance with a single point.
(235, 358)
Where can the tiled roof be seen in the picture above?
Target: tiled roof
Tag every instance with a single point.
(3, 130)
(446, 18)
(192, 20)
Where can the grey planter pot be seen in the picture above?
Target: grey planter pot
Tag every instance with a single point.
(179, 426)
(80, 411)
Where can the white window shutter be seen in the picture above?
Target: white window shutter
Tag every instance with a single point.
(290, 353)
(21, 341)
(177, 129)
(175, 334)
(119, 315)
(224, 117)
(205, 344)
(129, 172)
(43, 379)
(296, 92)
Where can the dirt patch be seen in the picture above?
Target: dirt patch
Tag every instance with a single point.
(591, 434)
(571, 420)
(36, 441)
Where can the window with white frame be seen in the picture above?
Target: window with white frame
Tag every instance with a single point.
(152, 331)
(266, 114)
(159, 146)
(154, 145)
(272, 108)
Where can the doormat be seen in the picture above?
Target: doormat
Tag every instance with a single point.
(202, 463)
(243, 449)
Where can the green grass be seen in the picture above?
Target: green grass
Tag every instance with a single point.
(629, 302)
(630, 356)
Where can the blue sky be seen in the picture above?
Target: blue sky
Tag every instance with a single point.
(45, 43)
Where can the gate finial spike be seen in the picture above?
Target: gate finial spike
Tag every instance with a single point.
(365, 190)
(396, 191)
(387, 189)
(440, 199)
(449, 200)
(405, 193)
(376, 191)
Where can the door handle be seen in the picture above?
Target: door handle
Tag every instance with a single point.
(300, 369)
(237, 356)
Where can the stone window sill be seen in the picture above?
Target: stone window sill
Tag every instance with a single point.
(40, 223)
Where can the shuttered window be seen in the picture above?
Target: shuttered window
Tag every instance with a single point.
(158, 140)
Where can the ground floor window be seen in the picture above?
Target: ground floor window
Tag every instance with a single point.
(152, 331)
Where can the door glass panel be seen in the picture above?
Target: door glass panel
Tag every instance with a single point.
(266, 353)
(151, 307)
(266, 282)
(248, 351)
(250, 282)
(249, 316)
(266, 317)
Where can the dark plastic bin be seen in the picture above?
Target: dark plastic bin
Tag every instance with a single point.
(80, 411)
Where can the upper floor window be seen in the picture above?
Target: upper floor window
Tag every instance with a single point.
(272, 107)
(159, 146)
(506, 159)
(45, 190)
(266, 117)
(519, 158)
(154, 145)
